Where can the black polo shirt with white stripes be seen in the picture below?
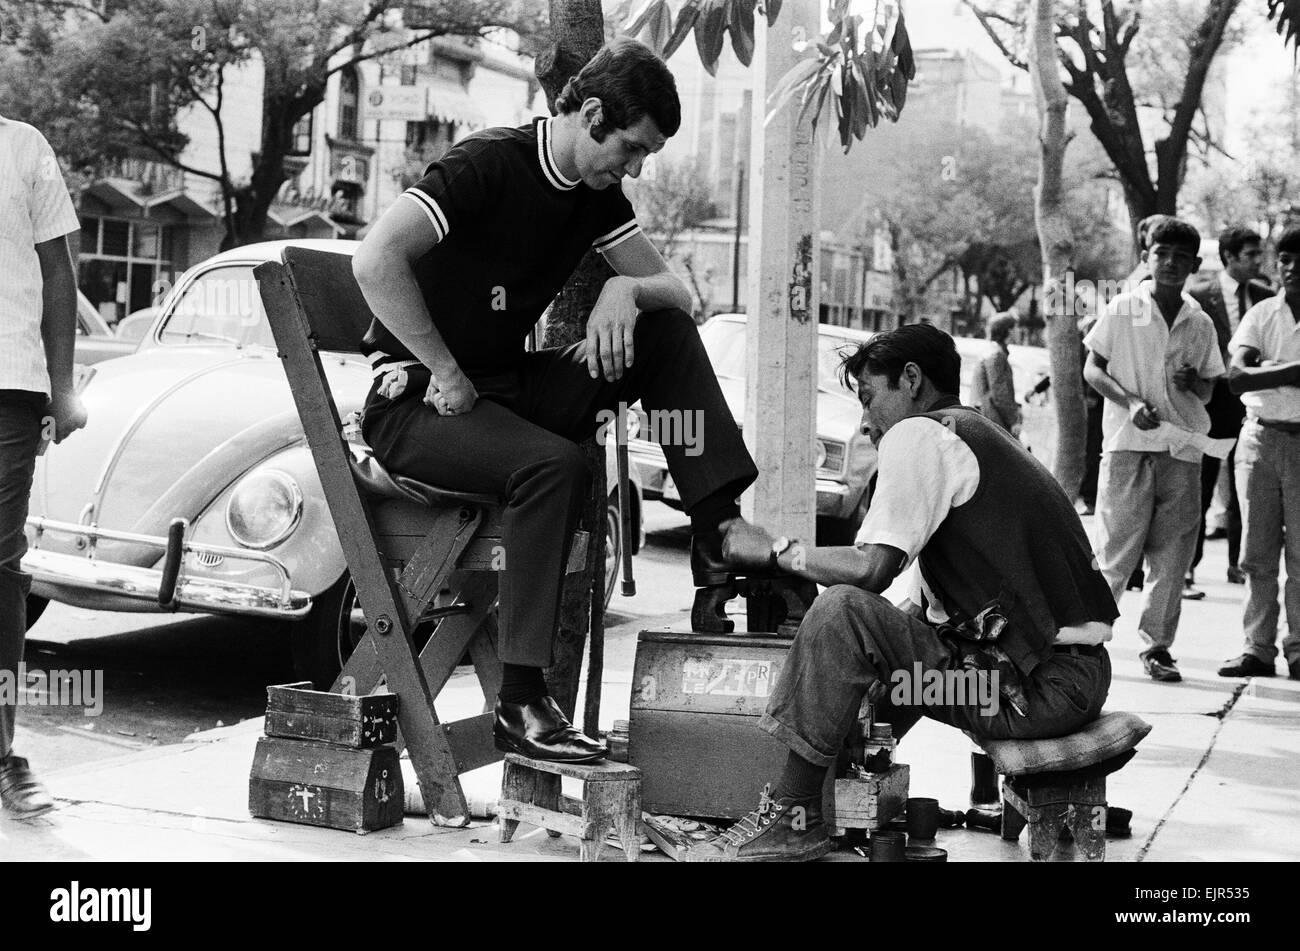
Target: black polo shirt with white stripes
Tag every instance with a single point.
(511, 231)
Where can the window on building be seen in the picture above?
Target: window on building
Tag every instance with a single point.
(121, 263)
(349, 98)
(408, 74)
(301, 136)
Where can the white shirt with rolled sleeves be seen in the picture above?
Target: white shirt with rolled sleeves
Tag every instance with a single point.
(925, 470)
(34, 208)
(1143, 353)
(1272, 329)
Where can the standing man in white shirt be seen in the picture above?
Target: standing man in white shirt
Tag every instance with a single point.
(1266, 372)
(1226, 297)
(38, 320)
(1154, 356)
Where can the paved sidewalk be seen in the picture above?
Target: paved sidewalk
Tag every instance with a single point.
(1215, 780)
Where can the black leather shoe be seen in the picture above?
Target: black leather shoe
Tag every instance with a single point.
(1160, 667)
(21, 793)
(708, 567)
(540, 730)
(1247, 665)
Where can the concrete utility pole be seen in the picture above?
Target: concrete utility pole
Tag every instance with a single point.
(783, 290)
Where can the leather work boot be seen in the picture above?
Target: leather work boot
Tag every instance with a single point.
(21, 792)
(779, 830)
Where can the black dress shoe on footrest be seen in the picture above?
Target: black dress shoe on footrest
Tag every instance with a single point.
(708, 568)
(540, 730)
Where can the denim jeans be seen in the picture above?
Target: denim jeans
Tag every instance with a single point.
(1268, 485)
(20, 433)
(852, 641)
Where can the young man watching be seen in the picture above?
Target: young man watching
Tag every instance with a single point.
(1148, 497)
(995, 541)
(38, 323)
(1225, 298)
(459, 270)
(1266, 372)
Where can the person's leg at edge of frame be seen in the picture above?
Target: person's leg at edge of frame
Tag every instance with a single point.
(1289, 465)
(1171, 542)
(20, 433)
(1259, 490)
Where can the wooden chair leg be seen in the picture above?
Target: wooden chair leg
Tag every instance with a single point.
(1012, 822)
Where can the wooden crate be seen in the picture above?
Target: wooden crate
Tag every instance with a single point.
(324, 785)
(296, 711)
(869, 801)
(693, 727)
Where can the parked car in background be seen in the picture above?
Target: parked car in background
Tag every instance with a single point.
(136, 325)
(96, 341)
(199, 424)
(845, 459)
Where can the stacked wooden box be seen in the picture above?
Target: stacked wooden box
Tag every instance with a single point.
(328, 759)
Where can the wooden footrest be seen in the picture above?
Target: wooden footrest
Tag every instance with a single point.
(611, 800)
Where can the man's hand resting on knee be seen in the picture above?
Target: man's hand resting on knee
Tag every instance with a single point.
(608, 347)
(451, 394)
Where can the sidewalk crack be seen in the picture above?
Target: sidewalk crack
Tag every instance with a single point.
(1221, 715)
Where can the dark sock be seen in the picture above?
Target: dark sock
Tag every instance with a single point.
(520, 684)
(801, 779)
(714, 509)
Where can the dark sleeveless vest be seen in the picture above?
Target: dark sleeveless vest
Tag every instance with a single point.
(1018, 540)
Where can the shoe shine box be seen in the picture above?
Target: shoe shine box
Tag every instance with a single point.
(693, 727)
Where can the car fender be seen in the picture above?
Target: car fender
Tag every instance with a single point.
(311, 553)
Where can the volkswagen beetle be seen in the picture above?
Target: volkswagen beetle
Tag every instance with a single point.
(192, 489)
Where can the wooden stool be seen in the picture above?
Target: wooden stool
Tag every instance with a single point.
(611, 800)
(1078, 805)
(1061, 782)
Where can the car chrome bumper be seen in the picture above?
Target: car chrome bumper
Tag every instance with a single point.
(167, 589)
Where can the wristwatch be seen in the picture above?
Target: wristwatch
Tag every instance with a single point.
(779, 548)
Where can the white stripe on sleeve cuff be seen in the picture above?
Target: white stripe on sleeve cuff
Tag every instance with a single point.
(431, 209)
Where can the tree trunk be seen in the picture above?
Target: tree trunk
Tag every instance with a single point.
(1057, 243)
(577, 32)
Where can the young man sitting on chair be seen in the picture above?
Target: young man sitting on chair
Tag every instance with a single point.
(459, 270)
(1007, 590)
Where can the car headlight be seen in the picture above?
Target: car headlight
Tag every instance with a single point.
(264, 509)
(830, 455)
(819, 452)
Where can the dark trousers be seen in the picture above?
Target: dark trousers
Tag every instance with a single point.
(1092, 454)
(1209, 478)
(20, 434)
(520, 439)
(851, 642)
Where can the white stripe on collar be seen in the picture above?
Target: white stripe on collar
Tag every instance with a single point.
(546, 158)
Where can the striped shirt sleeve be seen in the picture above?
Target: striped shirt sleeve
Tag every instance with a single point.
(456, 187)
(53, 214)
(617, 220)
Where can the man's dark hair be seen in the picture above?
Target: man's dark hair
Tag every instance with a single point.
(1290, 240)
(1177, 232)
(887, 353)
(631, 82)
(1234, 238)
(1144, 229)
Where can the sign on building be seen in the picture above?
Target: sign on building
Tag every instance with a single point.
(402, 103)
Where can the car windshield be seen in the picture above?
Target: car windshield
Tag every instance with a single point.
(724, 341)
(219, 306)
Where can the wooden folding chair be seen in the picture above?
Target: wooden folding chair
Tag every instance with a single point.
(404, 541)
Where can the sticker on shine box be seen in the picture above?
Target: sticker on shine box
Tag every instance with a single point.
(724, 677)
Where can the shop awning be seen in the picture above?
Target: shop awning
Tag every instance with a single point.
(130, 196)
(454, 105)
